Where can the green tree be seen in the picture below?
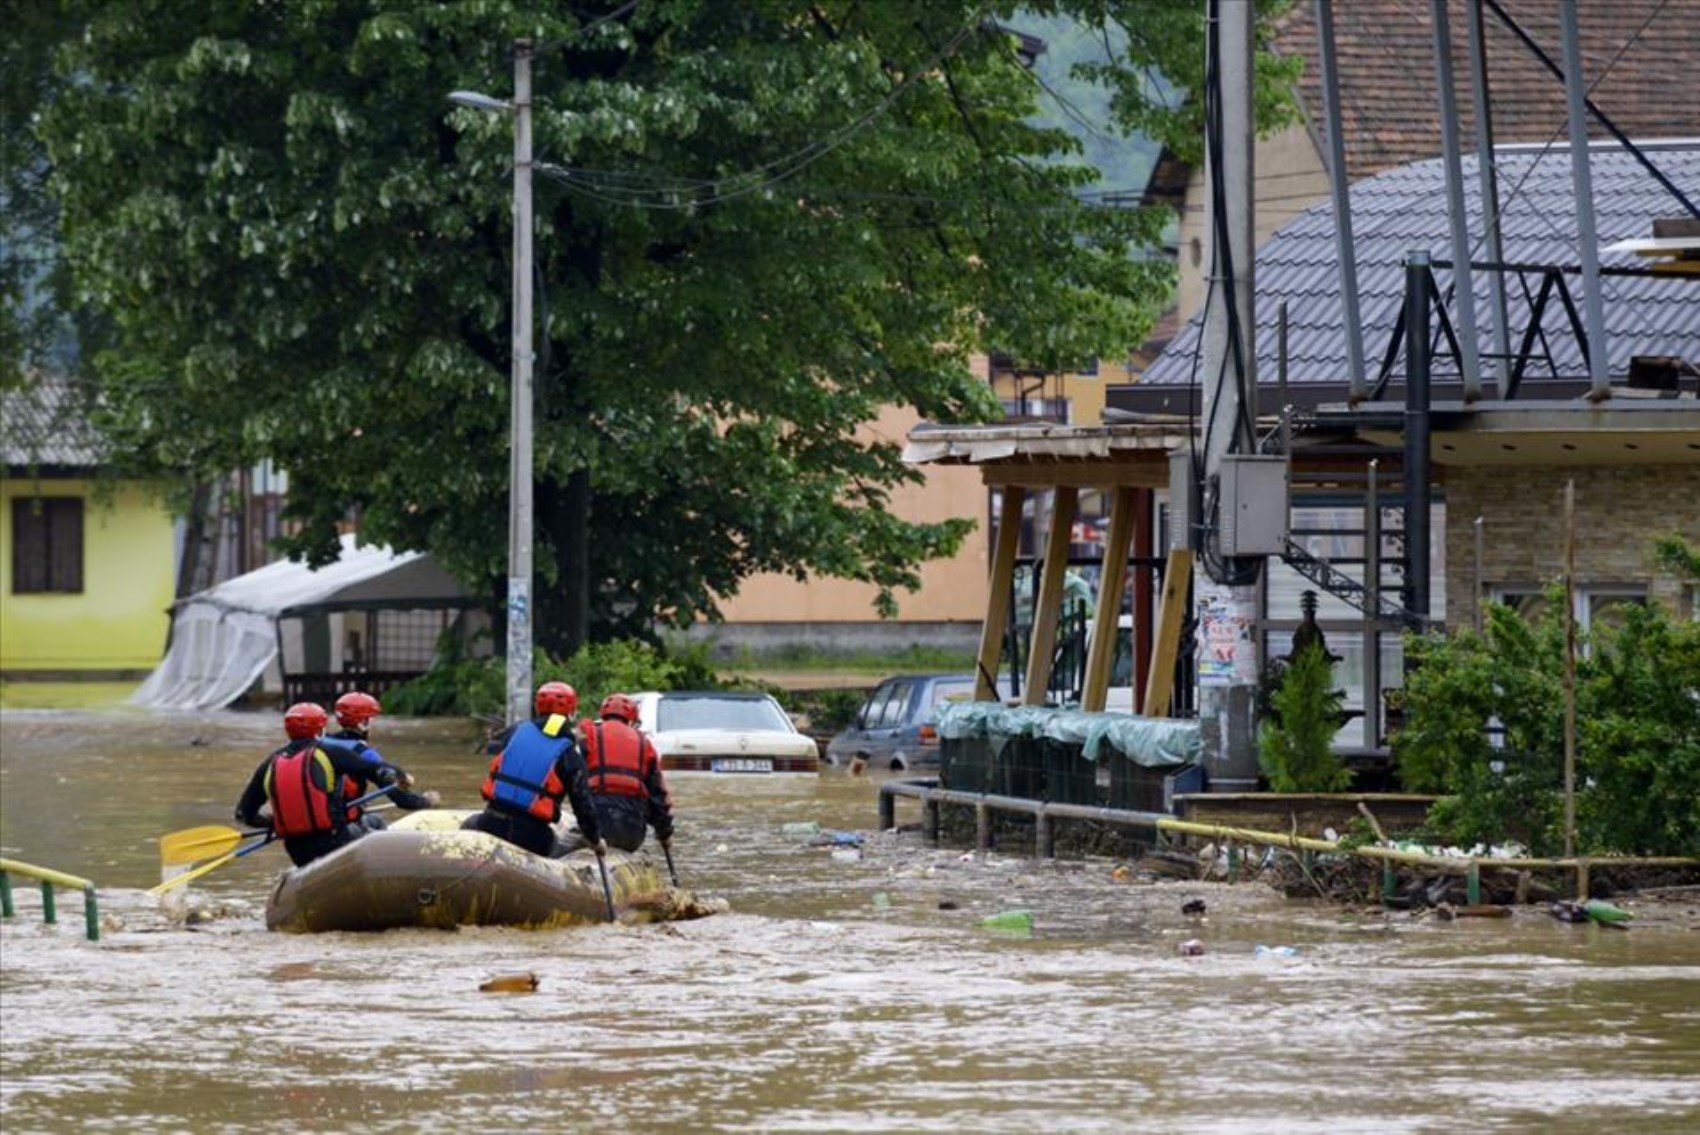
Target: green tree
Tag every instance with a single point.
(1296, 743)
(759, 223)
(1485, 724)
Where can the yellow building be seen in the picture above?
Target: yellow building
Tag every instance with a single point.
(86, 562)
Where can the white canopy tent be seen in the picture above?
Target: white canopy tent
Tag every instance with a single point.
(281, 621)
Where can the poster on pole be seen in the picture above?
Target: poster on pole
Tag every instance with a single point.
(1227, 621)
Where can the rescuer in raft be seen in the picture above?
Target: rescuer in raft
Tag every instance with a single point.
(539, 766)
(625, 779)
(354, 712)
(308, 785)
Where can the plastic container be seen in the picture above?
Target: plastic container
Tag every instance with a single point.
(1011, 921)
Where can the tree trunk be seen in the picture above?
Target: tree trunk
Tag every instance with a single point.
(562, 609)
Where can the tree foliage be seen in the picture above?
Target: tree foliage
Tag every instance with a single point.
(1485, 723)
(1296, 742)
(758, 223)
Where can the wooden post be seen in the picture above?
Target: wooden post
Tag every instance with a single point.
(982, 827)
(1048, 609)
(1106, 622)
(1569, 668)
(1160, 686)
(997, 604)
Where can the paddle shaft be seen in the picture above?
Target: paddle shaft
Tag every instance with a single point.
(208, 868)
(607, 889)
(667, 850)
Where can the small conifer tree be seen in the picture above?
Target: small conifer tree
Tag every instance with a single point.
(1297, 743)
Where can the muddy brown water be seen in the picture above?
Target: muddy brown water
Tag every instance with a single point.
(839, 993)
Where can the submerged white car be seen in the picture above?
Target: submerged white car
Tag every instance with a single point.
(724, 731)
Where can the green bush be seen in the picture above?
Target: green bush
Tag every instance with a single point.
(1638, 732)
(1296, 744)
(478, 687)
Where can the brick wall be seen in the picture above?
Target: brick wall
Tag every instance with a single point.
(1620, 511)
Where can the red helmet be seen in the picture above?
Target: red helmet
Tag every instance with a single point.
(620, 706)
(556, 697)
(355, 709)
(304, 719)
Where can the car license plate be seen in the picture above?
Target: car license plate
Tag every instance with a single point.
(742, 764)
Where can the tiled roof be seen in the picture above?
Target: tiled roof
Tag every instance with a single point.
(1640, 59)
(46, 424)
(1405, 209)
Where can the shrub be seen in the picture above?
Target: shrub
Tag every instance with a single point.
(1296, 745)
(1638, 730)
(478, 687)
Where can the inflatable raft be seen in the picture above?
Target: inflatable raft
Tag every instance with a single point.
(425, 872)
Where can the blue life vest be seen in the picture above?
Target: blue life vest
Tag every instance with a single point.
(523, 777)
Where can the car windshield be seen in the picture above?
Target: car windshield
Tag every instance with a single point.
(719, 713)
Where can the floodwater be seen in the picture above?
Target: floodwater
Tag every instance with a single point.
(837, 994)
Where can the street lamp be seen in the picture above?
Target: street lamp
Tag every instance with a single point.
(520, 470)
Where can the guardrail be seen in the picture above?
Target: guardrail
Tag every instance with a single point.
(931, 796)
(49, 908)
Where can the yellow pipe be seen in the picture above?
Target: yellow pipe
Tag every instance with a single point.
(1444, 862)
(46, 875)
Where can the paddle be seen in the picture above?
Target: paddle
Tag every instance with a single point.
(195, 844)
(667, 850)
(191, 845)
(607, 890)
(207, 868)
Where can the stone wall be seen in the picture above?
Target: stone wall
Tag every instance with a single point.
(1620, 511)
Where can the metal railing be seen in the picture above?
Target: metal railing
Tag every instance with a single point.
(49, 907)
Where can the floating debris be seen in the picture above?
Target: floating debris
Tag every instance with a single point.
(512, 983)
(1193, 906)
(1012, 921)
(1192, 948)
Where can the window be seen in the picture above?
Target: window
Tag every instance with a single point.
(1598, 607)
(47, 545)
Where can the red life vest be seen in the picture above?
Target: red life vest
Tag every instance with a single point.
(620, 759)
(304, 791)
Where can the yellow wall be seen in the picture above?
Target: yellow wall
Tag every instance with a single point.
(951, 590)
(1289, 177)
(120, 620)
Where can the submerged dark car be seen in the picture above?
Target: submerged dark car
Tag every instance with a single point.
(897, 727)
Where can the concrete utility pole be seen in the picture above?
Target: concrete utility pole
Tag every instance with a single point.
(1227, 606)
(520, 464)
(520, 461)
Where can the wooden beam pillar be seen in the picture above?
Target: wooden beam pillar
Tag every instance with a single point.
(1110, 588)
(997, 604)
(1177, 578)
(1144, 544)
(1048, 609)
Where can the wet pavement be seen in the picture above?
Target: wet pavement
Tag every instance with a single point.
(845, 989)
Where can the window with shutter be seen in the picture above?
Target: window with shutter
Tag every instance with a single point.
(47, 545)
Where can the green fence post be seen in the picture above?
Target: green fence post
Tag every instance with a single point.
(91, 915)
(6, 908)
(1233, 864)
(1473, 884)
(49, 912)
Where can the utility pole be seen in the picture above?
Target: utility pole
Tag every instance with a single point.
(520, 470)
(1225, 589)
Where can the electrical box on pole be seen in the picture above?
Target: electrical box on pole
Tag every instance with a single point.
(1253, 505)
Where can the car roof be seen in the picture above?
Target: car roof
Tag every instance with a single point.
(731, 695)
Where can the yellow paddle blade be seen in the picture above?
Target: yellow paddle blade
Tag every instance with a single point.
(188, 877)
(194, 844)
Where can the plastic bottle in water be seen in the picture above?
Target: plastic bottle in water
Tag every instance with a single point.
(1014, 921)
